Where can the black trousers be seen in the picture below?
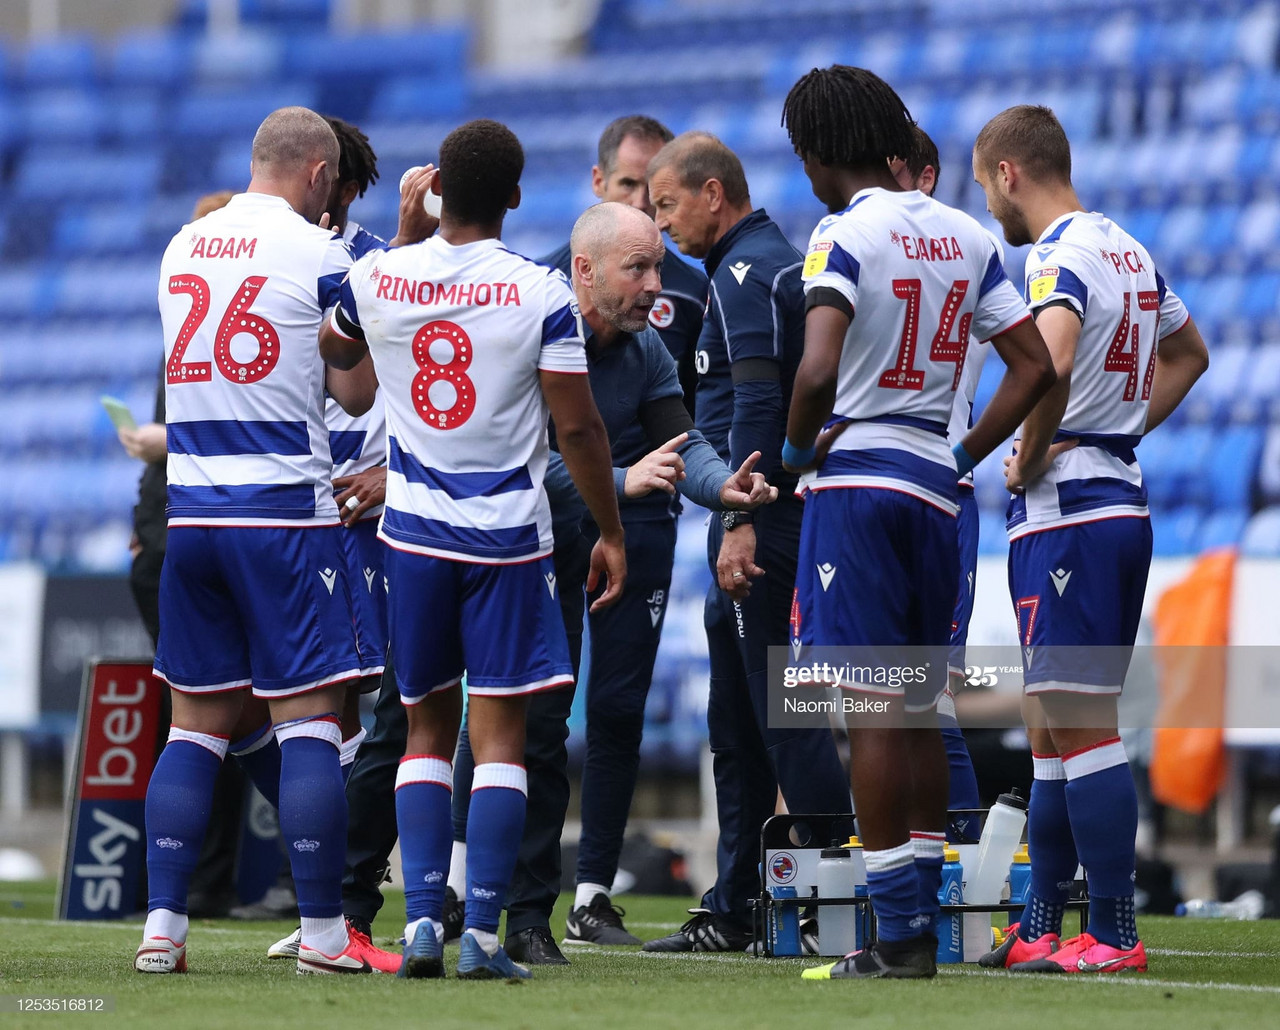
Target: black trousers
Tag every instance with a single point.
(750, 760)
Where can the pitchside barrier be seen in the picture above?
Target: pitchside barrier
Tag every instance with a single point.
(123, 725)
(119, 738)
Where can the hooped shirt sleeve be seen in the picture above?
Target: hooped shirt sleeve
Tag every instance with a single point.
(999, 307)
(1173, 313)
(346, 314)
(563, 345)
(1050, 279)
(831, 260)
(335, 263)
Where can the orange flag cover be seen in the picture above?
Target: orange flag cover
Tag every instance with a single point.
(1192, 620)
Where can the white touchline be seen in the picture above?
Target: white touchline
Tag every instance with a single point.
(132, 927)
(1213, 954)
(1124, 980)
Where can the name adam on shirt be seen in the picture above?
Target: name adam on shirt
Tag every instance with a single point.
(217, 247)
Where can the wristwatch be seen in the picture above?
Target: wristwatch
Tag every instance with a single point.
(731, 520)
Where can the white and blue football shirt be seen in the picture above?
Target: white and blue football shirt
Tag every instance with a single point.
(1084, 261)
(459, 335)
(242, 295)
(920, 278)
(358, 442)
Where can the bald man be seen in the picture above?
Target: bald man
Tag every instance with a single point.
(657, 455)
(256, 615)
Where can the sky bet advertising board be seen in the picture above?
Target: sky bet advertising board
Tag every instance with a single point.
(120, 711)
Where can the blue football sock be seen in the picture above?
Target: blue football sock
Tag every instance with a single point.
(1052, 849)
(424, 791)
(1103, 803)
(894, 887)
(494, 829)
(928, 848)
(963, 790)
(179, 800)
(347, 753)
(258, 754)
(313, 812)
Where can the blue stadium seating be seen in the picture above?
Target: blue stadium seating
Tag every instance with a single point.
(1172, 106)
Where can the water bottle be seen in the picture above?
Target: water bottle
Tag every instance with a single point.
(784, 923)
(836, 930)
(950, 927)
(1001, 835)
(1019, 881)
(862, 913)
(1248, 906)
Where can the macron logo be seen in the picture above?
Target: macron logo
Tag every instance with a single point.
(740, 271)
(550, 577)
(1060, 579)
(826, 573)
(368, 579)
(330, 576)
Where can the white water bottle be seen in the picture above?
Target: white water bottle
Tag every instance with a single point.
(836, 923)
(1001, 835)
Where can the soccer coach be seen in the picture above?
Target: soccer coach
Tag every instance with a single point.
(750, 346)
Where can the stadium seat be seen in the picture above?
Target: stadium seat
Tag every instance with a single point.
(235, 112)
(90, 231)
(70, 116)
(1268, 480)
(243, 57)
(119, 288)
(441, 52)
(1229, 475)
(415, 98)
(68, 60)
(1223, 528)
(1215, 394)
(68, 175)
(1261, 536)
(1175, 531)
(154, 58)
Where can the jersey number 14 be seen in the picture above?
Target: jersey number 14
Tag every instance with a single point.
(904, 375)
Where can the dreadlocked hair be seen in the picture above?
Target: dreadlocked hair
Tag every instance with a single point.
(849, 117)
(356, 162)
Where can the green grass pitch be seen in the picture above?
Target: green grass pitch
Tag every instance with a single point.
(1203, 974)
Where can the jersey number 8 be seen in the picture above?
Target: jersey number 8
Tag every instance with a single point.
(441, 377)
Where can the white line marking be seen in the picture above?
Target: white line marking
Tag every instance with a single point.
(1213, 954)
(135, 927)
(1123, 980)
